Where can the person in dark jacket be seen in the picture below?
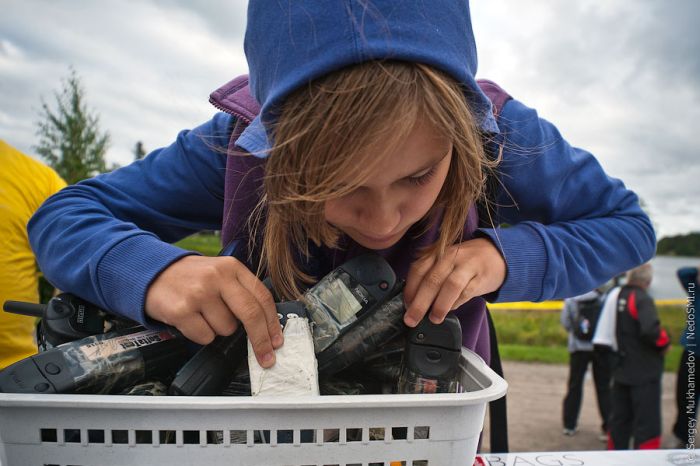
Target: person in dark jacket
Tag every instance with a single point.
(687, 400)
(641, 345)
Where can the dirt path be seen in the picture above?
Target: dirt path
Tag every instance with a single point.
(534, 403)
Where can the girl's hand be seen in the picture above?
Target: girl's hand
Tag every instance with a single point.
(207, 296)
(469, 269)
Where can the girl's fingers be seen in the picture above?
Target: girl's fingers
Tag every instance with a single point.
(197, 329)
(450, 295)
(251, 314)
(219, 317)
(472, 290)
(472, 268)
(415, 276)
(206, 296)
(262, 295)
(429, 287)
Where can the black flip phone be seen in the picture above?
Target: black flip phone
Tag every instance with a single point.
(431, 357)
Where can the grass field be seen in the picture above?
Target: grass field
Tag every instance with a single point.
(208, 244)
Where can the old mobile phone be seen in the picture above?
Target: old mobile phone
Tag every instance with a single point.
(347, 294)
(431, 357)
(98, 364)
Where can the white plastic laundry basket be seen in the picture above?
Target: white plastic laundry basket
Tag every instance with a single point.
(363, 430)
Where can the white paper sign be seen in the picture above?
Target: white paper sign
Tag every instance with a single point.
(592, 458)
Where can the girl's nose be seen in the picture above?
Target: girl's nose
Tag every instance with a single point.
(379, 216)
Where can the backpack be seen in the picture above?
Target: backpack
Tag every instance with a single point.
(588, 313)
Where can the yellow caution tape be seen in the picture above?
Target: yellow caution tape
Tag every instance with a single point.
(558, 305)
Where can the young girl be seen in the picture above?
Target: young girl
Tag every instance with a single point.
(373, 135)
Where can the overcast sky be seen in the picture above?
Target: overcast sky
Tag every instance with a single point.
(620, 78)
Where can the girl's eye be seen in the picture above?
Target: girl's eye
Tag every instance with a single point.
(422, 179)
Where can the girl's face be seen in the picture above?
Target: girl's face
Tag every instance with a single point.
(401, 192)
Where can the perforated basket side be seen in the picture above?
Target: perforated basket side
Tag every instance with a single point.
(345, 430)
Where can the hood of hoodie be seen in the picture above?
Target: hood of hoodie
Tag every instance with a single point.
(288, 44)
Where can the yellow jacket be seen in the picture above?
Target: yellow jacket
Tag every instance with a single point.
(24, 185)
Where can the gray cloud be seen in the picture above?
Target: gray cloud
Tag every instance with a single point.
(619, 78)
(227, 18)
(147, 67)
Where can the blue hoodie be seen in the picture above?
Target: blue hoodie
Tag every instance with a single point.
(571, 226)
(287, 45)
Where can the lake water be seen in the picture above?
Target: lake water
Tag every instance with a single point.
(665, 284)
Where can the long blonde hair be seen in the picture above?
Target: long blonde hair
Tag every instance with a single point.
(319, 153)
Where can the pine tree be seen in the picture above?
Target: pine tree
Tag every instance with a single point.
(139, 151)
(69, 136)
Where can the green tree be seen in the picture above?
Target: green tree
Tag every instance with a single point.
(680, 245)
(69, 136)
(139, 151)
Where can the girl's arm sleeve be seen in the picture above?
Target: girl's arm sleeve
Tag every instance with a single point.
(106, 238)
(570, 227)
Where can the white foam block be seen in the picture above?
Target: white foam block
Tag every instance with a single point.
(295, 371)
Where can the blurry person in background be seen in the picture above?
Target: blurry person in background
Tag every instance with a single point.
(641, 344)
(579, 317)
(24, 185)
(687, 400)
